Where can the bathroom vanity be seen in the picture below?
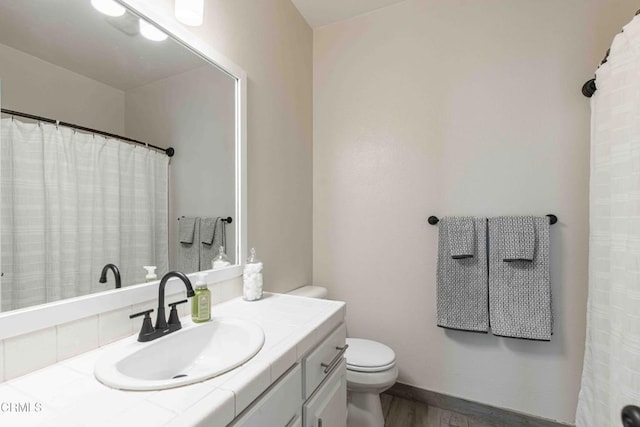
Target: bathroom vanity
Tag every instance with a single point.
(298, 378)
(312, 393)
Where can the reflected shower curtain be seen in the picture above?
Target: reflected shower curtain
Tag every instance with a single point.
(72, 202)
(611, 371)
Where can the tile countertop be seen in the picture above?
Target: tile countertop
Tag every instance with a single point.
(67, 393)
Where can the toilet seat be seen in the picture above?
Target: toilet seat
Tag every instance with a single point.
(368, 356)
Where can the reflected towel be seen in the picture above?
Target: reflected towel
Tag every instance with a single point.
(520, 291)
(517, 238)
(186, 229)
(461, 235)
(210, 241)
(189, 253)
(463, 283)
(207, 230)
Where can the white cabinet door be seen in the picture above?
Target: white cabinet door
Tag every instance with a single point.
(278, 407)
(327, 407)
(297, 422)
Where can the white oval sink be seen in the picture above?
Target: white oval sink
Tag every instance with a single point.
(195, 353)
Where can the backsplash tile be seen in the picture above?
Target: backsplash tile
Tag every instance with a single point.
(77, 337)
(29, 352)
(114, 325)
(226, 290)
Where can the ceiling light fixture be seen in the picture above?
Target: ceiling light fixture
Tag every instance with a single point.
(151, 32)
(190, 12)
(108, 7)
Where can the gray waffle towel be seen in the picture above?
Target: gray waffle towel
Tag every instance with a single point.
(186, 229)
(517, 238)
(462, 237)
(520, 291)
(463, 283)
(189, 253)
(211, 238)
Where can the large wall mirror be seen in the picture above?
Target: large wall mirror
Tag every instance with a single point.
(120, 144)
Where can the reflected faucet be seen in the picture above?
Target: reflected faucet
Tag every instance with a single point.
(116, 273)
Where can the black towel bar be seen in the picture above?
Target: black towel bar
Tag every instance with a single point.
(433, 220)
(228, 219)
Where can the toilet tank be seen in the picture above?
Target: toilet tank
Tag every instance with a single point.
(310, 291)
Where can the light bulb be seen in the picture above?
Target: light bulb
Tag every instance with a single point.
(190, 12)
(150, 32)
(108, 7)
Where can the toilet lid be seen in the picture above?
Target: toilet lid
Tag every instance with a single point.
(368, 356)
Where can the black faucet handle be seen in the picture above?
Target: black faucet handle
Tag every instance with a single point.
(145, 313)
(173, 304)
(147, 330)
(174, 319)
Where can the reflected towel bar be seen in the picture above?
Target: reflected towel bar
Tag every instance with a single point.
(228, 219)
(433, 220)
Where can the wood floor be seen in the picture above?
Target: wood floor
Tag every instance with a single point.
(399, 412)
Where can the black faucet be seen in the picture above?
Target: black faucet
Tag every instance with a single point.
(162, 328)
(116, 273)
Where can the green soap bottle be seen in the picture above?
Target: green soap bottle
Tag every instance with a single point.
(201, 301)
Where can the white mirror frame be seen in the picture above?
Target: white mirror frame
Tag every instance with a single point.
(18, 322)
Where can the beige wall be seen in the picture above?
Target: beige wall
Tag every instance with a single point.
(271, 41)
(434, 107)
(34, 86)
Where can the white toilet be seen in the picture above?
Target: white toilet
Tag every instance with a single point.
(371, 369)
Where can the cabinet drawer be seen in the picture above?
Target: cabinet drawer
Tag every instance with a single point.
(279, 406)
(326, 356)
(327, 407)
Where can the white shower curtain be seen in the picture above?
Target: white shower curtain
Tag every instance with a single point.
(611, 372)
(72, 202)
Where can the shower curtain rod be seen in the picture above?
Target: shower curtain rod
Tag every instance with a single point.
(589, 88)
(168, 151)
